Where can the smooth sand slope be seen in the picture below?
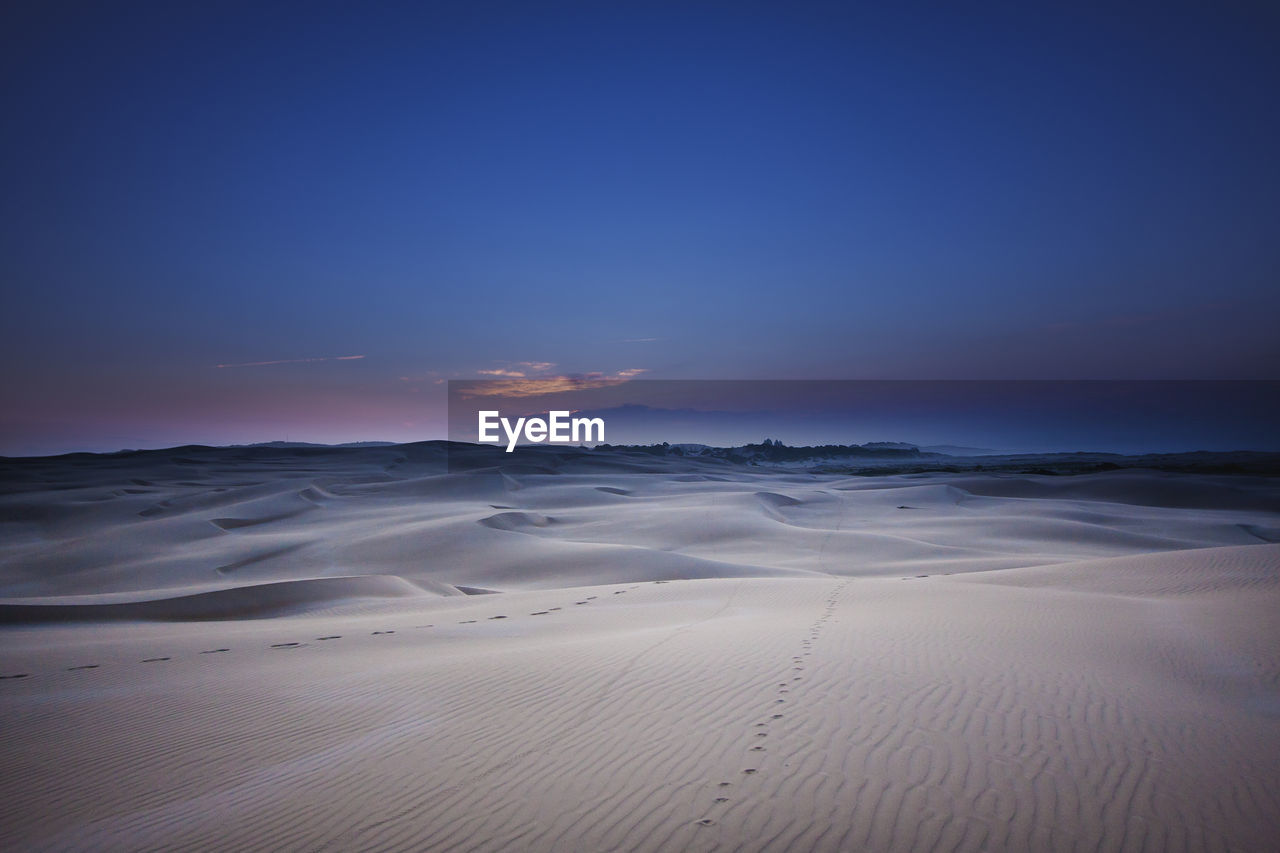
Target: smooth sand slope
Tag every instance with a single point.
(288, 649)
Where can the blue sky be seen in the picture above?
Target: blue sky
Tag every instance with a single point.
(692, 190)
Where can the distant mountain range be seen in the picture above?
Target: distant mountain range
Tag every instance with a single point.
(771, 451)
(286, 444)
(768, 449)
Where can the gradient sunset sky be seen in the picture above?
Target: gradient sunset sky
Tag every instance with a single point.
(233, 222)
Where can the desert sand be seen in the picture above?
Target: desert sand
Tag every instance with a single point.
(354, 650)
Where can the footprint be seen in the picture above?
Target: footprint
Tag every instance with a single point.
(750, 770)
(591, 598)
(331, 637)
(761, 734)
(497, 617)
(757, 749)
(621, 592)
(85, 666)
(284, 645)
(722, 799)
(779, 701)
(776, 717)
(214, 651)
(465, 622)
(376, 633)
(153, 660)
(539, 613)
(706, 821)
(15, 675)
(724, 784)
(424, 626)
(553, 608)
(580, 602)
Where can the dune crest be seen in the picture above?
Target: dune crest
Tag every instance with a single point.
(357, 650)
(255, 601)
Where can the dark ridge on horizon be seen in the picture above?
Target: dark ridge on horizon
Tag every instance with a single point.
(884, 458)
(871, 459)
(200, 448)
(314, 444)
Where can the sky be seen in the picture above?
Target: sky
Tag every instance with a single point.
(234, 222)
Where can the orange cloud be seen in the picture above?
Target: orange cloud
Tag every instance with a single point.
(541, 386)
(518, 369)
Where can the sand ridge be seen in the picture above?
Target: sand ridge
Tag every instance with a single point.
(609, 660)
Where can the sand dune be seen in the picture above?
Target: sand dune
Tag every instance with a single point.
(244, 602)
(692, 659)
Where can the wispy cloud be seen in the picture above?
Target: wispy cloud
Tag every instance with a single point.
(293, 361)
(640, 340)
